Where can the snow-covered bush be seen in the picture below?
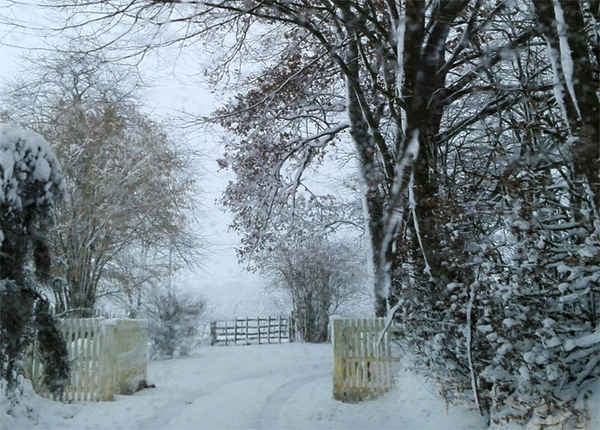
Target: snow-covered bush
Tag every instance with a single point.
(543, 326)
(519, 337)
(30, 184)
(174, 324)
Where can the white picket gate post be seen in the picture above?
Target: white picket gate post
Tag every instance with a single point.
(130, 351)
(362, 365)
(106, 357)
(108, 360)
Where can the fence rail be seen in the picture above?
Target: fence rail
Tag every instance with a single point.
(362, 362)
(248, 331)
(107, 357)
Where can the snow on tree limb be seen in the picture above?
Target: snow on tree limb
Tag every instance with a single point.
(393, 215)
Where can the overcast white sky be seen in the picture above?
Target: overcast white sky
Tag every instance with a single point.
(230, 289)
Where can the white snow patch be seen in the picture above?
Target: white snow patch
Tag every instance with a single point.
(524, 371)
(583, 342)
(255, 387)
(510, 322)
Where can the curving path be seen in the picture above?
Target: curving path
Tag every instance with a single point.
(285, 386)
(250, 387)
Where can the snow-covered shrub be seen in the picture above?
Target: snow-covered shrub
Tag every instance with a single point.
(175, 323)
(30, 183)
(519, 337)
(545, 325)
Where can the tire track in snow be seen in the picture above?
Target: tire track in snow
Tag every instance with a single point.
(269, 416)
(166, 413)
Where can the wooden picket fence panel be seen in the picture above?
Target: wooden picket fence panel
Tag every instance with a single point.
(248, 331)
(107, 357)
(130, 346)
(362, 361)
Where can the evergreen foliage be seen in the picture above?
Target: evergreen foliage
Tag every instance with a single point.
(30, 184)
(174, 326)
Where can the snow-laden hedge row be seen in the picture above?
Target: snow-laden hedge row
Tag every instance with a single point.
(521, 339)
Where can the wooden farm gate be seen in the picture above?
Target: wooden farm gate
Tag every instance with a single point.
(362, 361)
(248, 331)
(107, 357)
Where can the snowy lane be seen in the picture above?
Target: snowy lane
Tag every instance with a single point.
(286, 386)
(244, 382)
(247, 404)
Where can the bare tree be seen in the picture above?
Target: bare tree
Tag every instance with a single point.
(394, 60)
(129, 186)
(319, 276)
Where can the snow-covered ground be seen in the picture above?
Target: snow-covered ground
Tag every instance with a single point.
(286, 386)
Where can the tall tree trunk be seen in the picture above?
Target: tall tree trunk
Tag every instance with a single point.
(425, 114)
(564, 19)
(371, 173)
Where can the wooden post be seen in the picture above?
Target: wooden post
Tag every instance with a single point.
(247, 341)
(376, 360)
(258, 325)
(107, 364)
(338, 358)
(75, 357)
(269, 331)
(386, 347)
(81, 364)
(280, 327)
(366, 356)
(68, 336)
(213, 333)
(88, 358)
(96, 351)
(235, 331)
